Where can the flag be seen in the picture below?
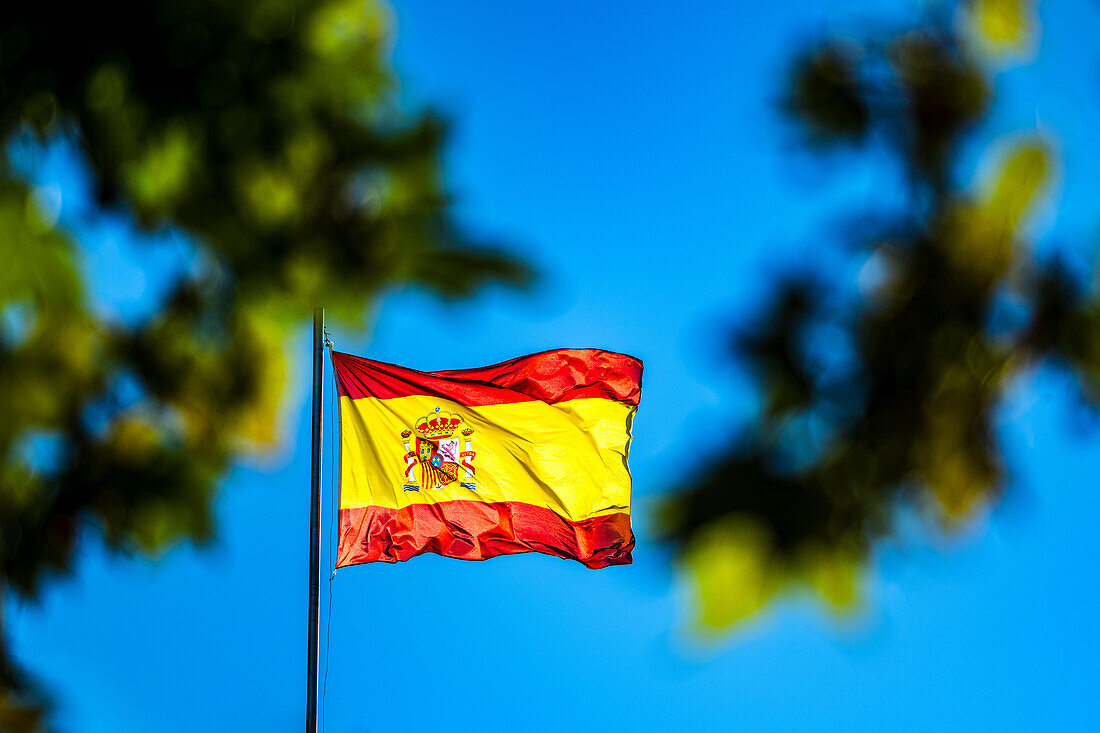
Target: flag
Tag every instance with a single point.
(526, 455)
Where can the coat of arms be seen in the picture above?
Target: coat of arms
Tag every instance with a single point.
(438, 453)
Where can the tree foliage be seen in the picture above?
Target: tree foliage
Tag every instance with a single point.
(267, 132)
(896, 409)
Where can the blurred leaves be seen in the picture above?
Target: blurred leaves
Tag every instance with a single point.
(1003, 26)
(984, 229)
(826, 93)
(267, 132)
(894, 409)
(19, 716)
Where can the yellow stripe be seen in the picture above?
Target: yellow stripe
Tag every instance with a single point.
(570, 457)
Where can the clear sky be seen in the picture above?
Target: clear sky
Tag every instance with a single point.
(632, 152)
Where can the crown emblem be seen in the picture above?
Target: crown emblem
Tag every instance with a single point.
(437, 426)
(436, 458)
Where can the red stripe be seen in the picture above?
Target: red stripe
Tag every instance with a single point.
(552, 376)
(475, 530)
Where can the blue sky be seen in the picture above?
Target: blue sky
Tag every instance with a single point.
(631, 151)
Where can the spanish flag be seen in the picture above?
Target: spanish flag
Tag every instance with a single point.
(526, 455)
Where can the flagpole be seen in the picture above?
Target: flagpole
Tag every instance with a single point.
(315, 519)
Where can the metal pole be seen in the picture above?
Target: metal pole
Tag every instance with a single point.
(315, 519)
